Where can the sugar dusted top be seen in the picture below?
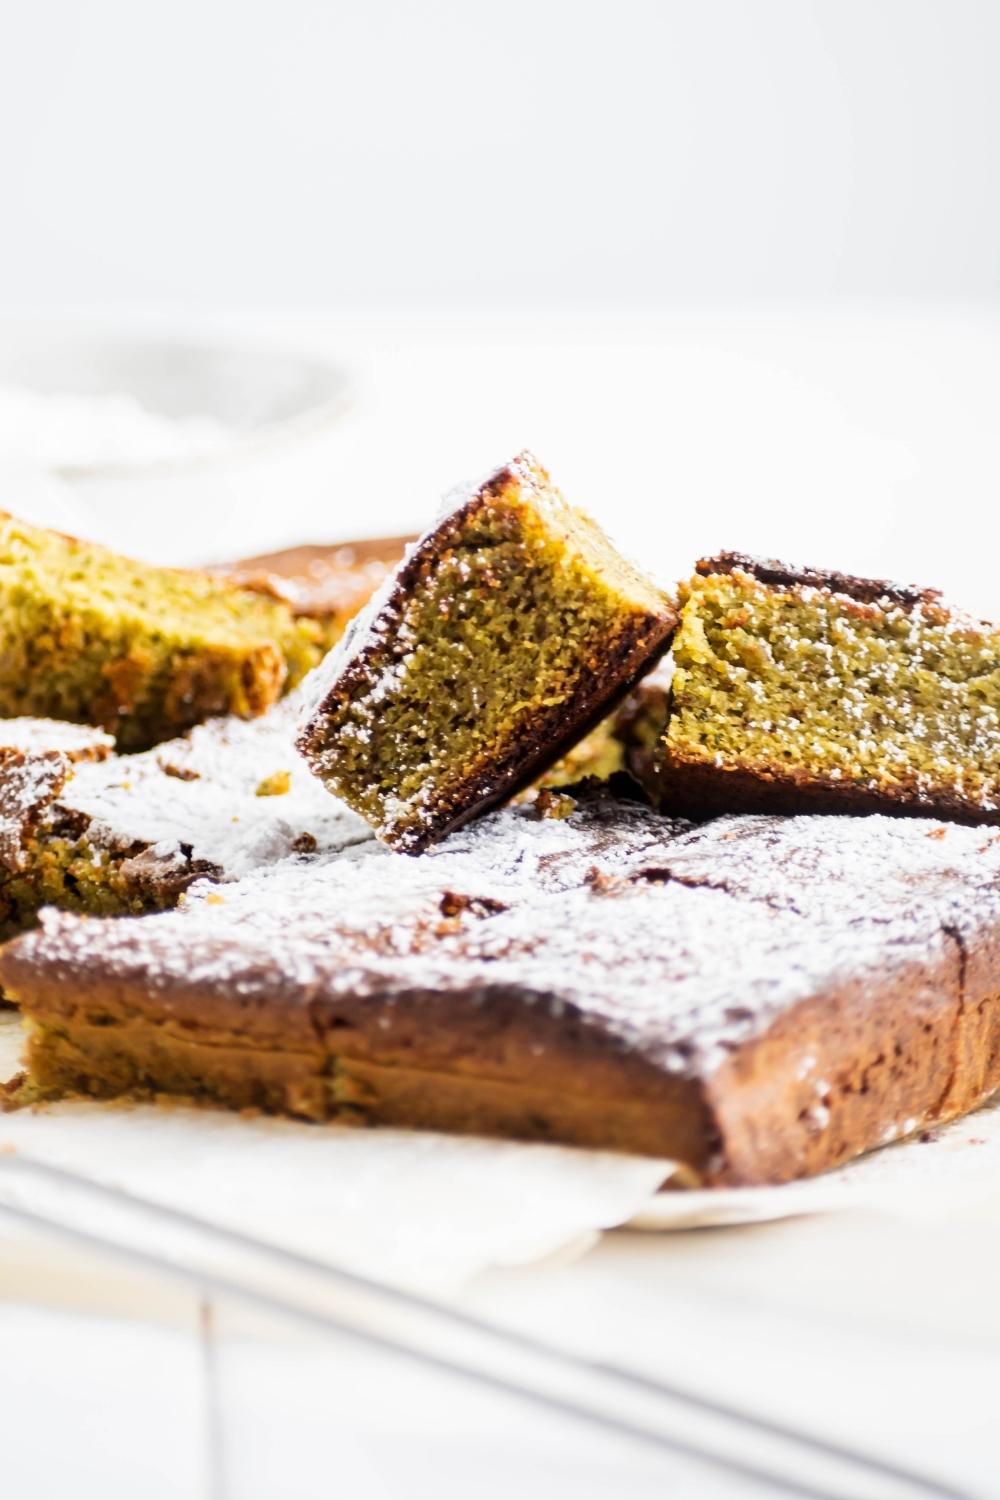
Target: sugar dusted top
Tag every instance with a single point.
(232, 793)
(45, 736)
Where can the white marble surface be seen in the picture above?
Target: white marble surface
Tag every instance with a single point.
(867, 441)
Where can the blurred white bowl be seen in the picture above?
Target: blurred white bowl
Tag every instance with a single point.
(177, 451)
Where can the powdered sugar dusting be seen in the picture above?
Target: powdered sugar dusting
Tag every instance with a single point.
(28, 784)
(856, 866)
(42, 736)
(36, 760)
(215, 796)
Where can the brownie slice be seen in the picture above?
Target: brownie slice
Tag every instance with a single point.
(758, 998)
(506, 635)
(796, 690)
(141, 651)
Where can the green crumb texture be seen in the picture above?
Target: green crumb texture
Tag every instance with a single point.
(896, 697)
(507, 633)
(74, 875)
(144, 652)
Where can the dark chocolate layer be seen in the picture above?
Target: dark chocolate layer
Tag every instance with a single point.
(785, 575)
(699, 790)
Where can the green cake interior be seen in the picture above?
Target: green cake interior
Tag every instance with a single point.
(67, 871)
(88, 636)
(904, 698)
(505, 624)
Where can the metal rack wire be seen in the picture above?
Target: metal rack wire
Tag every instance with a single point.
(627, 1403)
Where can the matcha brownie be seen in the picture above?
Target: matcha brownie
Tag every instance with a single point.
(796, 690)
(116, 835)
(758, 999)
(143, 652)
(506, 635)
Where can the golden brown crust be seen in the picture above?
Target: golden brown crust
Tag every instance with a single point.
(878, 1052)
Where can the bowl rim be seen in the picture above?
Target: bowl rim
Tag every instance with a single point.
(243, 444)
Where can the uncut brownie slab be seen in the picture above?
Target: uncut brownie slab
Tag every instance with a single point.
(142, 652)
(115, 835)
(505, 636)
(796, 690)
(758, 998)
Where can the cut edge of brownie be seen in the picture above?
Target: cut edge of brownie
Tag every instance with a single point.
(332, 1071)
(551, 738)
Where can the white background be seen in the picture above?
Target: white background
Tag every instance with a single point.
(731, 267)
(306, 153)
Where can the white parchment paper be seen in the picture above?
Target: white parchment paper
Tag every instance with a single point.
(935, 1173)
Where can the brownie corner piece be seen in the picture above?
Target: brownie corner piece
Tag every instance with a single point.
(508, 631)
(141, 651)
